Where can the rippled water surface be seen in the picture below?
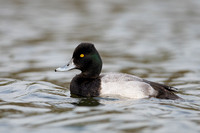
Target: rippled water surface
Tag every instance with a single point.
(155, 39)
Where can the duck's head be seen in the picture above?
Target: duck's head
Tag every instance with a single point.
(85, 58)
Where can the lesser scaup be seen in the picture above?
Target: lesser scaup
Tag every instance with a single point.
(90, 83)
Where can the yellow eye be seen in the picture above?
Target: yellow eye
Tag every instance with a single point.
(82, 55)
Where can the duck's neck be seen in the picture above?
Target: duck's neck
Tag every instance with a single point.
(91, 72)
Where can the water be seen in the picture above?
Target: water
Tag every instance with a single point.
(157, 40)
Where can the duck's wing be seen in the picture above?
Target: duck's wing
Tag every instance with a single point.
(164, 91)
(158, 85)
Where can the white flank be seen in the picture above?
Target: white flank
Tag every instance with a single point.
(125, 85)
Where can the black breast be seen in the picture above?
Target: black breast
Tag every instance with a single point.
(87, 87)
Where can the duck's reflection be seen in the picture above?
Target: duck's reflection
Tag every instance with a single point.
(85, 101)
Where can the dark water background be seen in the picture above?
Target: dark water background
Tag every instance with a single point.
(155, 39)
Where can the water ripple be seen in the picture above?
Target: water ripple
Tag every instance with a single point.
(156, 40)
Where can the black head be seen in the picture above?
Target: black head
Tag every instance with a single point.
(87, 59)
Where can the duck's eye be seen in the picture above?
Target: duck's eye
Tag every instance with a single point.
(82, 55)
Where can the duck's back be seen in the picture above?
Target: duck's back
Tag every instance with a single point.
(125, 85)
(130, 86)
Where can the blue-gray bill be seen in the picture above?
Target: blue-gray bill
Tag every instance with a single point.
(67, 67)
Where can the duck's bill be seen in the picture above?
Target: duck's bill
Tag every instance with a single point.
(67, 67)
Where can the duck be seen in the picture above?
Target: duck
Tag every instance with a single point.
(91, 83)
